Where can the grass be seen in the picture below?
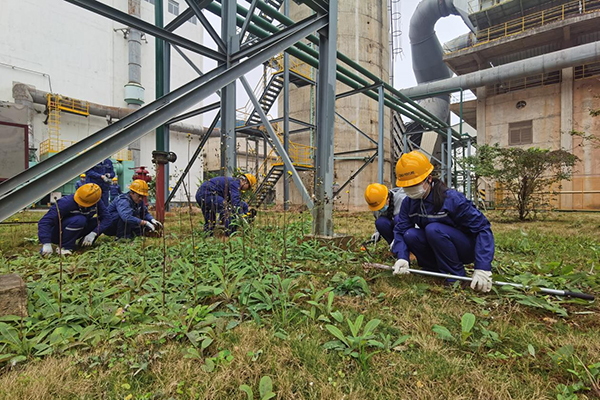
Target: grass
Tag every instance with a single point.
(259, 307)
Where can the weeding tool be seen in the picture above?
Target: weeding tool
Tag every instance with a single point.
(555, 292)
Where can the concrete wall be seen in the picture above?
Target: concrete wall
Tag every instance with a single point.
(83, 57)
(555, 110)
(362, 36)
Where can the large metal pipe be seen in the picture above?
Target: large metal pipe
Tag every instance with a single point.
(583, 54)
(20, 91)
(134, 64)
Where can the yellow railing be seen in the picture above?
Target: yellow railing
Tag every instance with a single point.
(54, 145)
(526, 82)
(534, 20)
(297, 66)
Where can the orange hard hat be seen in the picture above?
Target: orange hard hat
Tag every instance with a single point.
(412, 168)
(376, 195)
(88, 195)
(140, 187)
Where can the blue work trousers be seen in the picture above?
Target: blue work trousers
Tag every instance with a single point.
(212, 205)
(441, 248)
(385, 227)
(73, 228)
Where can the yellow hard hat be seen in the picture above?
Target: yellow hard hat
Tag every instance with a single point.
(412, 168)
(140, 187)
(251, 179)
(82, 176)
(88, 195)
(376, 195)
(115, 179)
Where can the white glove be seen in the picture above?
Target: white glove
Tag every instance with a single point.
(482, 281)
(105, 178)
(64, 252)
(401, 267)
(375, 237)
(149, 225)
(89, 239)
(46, 249)
(156, 223)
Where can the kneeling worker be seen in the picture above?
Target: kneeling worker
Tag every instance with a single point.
(129, 213)
(72, 218)
(221, 195)
(385, 205)
(451, 231)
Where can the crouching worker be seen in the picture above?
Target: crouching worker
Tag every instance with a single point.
(451, 231)
(222, 196)
(129, 214)
(385, 205)
(71, 218)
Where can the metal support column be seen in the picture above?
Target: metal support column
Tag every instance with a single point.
(323, 211)
(228, 134)
(380, 154)
(161, 134)
(468, 177)
(286, 112)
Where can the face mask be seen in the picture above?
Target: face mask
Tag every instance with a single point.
(415, 192)
(384, 209)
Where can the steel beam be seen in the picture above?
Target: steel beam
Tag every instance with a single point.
(206, 24)
(180, 20)
(323, 211)
(355, 127)
(289, 166)
(358, 171)
(25, 194)
(286, 111)
(193, 113)
(124, 18)
(228, 95)
(192, 160)
(48, 165)
(247, 21)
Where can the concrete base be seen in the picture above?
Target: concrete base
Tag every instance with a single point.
(13, 295)
(341, 241)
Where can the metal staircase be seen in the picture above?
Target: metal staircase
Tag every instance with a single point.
(267, 186)
(267, 99)
(398, 130)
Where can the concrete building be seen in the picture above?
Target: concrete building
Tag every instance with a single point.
(56, 47)
(540, 110)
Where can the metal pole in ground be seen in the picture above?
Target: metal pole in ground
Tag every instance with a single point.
(555, 292)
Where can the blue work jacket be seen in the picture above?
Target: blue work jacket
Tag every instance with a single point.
(226, 187)
(457, 212)
(114, 190)
(79, 184)
(125, 208)
(68, 207)
(95, 174)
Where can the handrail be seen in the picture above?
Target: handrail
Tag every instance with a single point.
(533, 20)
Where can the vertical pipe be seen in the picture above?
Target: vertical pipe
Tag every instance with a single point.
(449, 156)
(134, 46)
(160, 91)
(167, 129)
(380, 154)
(286, 112)
(228, 135)
(323, 211)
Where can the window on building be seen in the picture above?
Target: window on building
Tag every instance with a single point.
(150, 1)
(173, 7)
(520, 133)
(194, 20)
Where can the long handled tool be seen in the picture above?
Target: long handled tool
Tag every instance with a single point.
(556, 292)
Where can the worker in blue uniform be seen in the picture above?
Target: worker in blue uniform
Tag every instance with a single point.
(101, 174)
(222, 196)
(129, 215)
(385, 204)
(80, 182)
(450, 231)
(115, 189)
(71, 218)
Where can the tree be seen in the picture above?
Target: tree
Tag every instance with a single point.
(526, 174)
